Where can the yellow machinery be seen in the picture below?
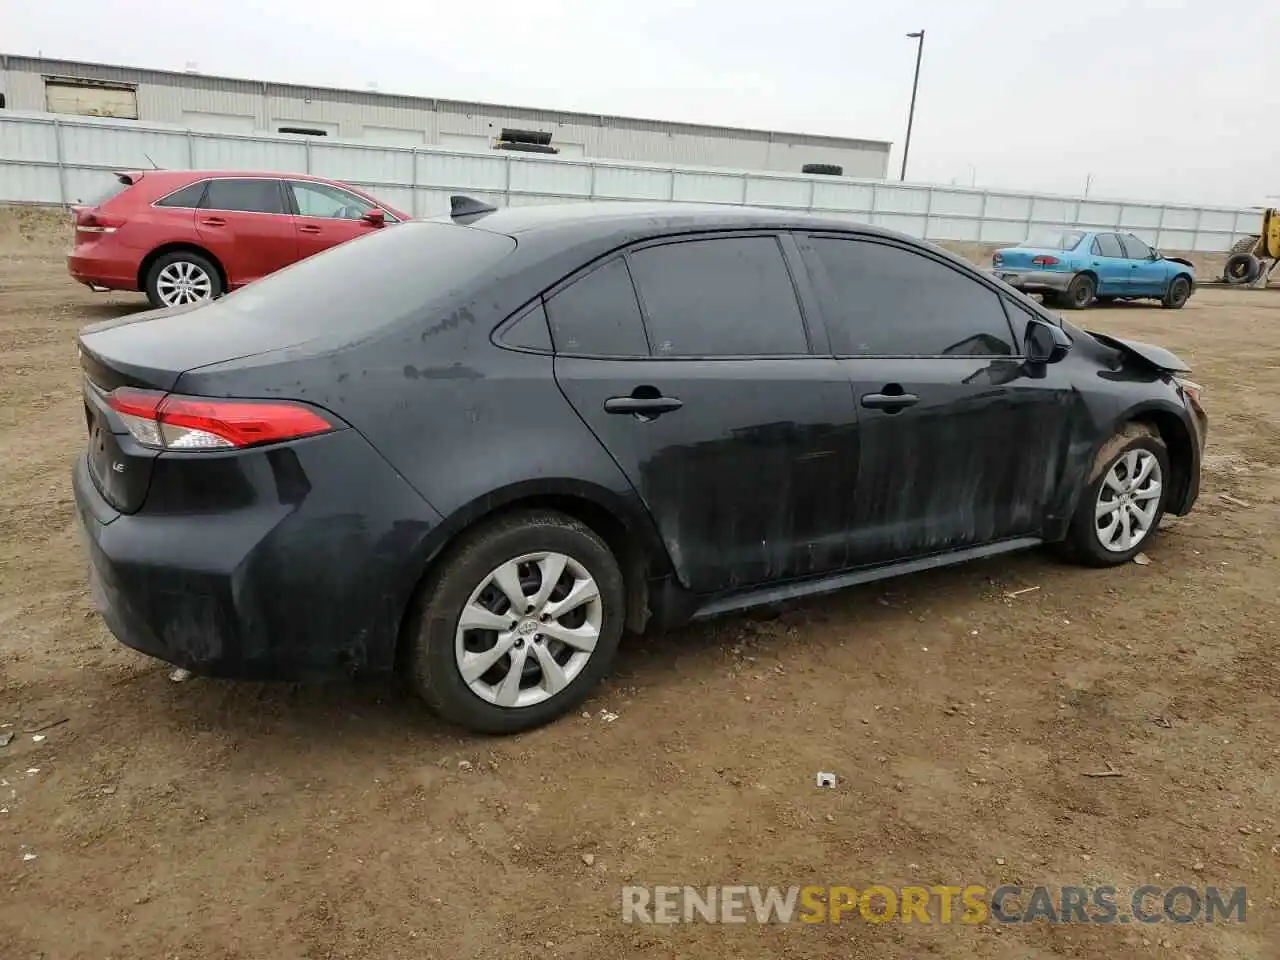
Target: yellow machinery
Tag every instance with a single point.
(1254, 259)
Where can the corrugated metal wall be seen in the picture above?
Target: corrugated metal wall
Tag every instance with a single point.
(64, 159)
(220, 105)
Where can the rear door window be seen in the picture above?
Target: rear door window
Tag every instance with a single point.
(725, 297)
(1108, 245)
(188, 196)
(597, 315)
(248, 195)
(888, 301)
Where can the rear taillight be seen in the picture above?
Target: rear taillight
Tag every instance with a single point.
(170, 422)
(87, 221)
(1044, 261)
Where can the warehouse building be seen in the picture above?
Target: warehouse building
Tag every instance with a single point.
(228, 105)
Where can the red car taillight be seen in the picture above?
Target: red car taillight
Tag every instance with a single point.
(88, 221)
(1046, 261)
(170, 422)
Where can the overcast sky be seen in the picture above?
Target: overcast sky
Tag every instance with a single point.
(1162, 100)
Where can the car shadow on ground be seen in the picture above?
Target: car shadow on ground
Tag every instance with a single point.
(365, 713)
(109, 311)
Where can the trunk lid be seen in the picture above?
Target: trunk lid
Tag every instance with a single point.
(1022, 258)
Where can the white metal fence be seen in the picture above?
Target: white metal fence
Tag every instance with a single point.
(54, 159)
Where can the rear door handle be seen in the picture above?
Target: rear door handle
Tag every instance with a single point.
(642, 406)
(213, 221)
(892, 402)
(309, 228)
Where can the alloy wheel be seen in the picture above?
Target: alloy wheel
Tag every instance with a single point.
(1128, 501)
(183, 282)
(528, 630)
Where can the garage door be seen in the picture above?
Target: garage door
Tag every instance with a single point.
(91, 99)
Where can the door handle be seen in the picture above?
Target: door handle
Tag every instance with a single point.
(213, 221)
(889, 402)
(642, 406)
(308, 228)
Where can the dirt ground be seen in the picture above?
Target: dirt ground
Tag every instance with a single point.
(223, 820)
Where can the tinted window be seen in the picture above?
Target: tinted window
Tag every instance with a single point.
(322, 200)
(1108, 245)
(248, 196)
(598, 315)
(726, 297)
(421, 272)
(1136, 249)
(893, 302)
(530, 331)
(186, 197)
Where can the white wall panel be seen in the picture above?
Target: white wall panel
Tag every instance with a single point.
(550, 176)
(770, 192)
(361, 164)
(1133, 216)
(213, 152)
(39, 156)
(456, 170)
(833, 195)
(954, 228)
(1002, 207)
(707, 188)
(901, 200)
(632, 184)
(1221, 220)
(950, 204)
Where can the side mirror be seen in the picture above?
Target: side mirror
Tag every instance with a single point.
(1046, 342)
(1156, 255)
(375, 217)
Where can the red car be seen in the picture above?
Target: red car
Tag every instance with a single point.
(183, 236)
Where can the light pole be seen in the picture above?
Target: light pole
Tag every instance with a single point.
(911, 115)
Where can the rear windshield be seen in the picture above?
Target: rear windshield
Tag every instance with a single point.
(105, 192)
(1057, 240)
(401, 271)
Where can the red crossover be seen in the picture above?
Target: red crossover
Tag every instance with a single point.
(187, 235)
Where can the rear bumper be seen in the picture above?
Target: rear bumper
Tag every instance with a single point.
(102, 271)
(1034, 281)
(305, 571)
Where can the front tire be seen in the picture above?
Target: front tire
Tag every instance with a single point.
(1080, 292)
(1177, 295)
(1123, 502)
(182, 278)
(481, 661)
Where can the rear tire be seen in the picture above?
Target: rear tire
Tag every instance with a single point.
(1177, 295)
(1112, 501)
(1080, 293)
(537, 677)
(182, 278)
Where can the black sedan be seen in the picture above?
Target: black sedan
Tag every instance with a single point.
(476, 449)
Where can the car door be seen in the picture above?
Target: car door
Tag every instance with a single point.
(739, 440)
(1111, 265)
(242, 221)
(1146, 275)
(325, 215)
(961, 443)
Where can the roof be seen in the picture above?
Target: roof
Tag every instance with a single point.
(625, 222)
(132, 75)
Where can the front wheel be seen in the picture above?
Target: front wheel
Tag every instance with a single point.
(1080, 292)
(1177, 295)
(518, 624)
(1123, 502)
